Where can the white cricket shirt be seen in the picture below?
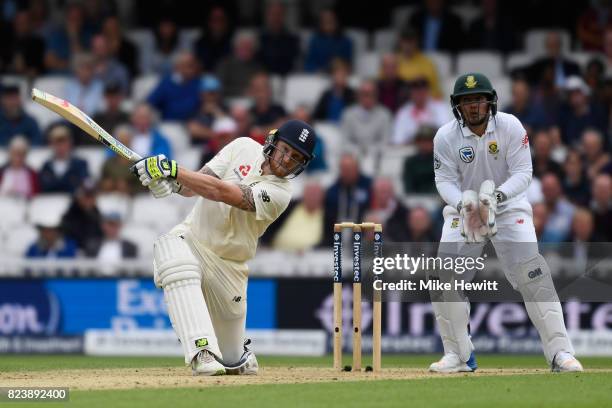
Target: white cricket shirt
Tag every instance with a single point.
(463, 160)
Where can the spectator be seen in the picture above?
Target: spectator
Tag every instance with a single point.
(302, 225)
(81, 222)
(575, 182)
(416, 227)
(64, 172)
(23, 51)
(601, 205)
(327, 44)
(493, 30)
(593, 24)
(38, 11)
(540, 218)
(608, 51)
(531, 115)
(366, 125)
(65, 42)
(113, 115)
(279, 47)
(560, 211)
(244, 123)
(438, 29)
(542, 161)
(51, 242)
(111, 248)
(318, 163)
(579, 113)
(116, 176)
(594, 78)
(393, 92)
(421, 110)
(177, 96)
(340, 95)
(166, 46)
(17, 179)
(106, 68)
(147, 141)
(265, 113)
(216, 41)
(414, 65)
(583, 232)
(84, 90)
(236, 71)
(120, 47)
(224, 130)
(418, 174)
(594, 154)
(387, 208)
(348, 198)
(14, 120)
(211, 108)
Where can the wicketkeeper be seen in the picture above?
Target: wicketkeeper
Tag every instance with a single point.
(201, 263)
(482, 166)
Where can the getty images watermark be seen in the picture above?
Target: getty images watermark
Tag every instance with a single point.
(432, 266)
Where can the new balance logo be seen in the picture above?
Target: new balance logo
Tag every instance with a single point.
(264, 196)
(201, 342)
(237, 299)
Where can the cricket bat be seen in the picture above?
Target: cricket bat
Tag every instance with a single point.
(77, 117)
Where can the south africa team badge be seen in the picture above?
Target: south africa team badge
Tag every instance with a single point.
(493, 149)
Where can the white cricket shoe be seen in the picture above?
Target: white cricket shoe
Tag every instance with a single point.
(564, 362)
(451, 363)
(205, 363)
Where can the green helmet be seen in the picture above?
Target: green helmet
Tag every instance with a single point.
(469, 84)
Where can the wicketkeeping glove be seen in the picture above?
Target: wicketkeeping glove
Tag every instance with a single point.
(488, 207)
(470, 217)
(154, 168)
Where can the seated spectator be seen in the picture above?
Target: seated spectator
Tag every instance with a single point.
(279, 48)
(327, 44)
(120, 47)
(14, 120)
(575, 183)
(177, 96)
(421, 110)
(106, 68)
(560, 211)
(116, 176)
(81, 222)
(418, 173)
(23, 51)
(387, 208)
(236, 70)
(593, 25)
(265, 113)
(244, 123)
(438, 28)
(51, 242)
(348, 198)
(366, 125)
(66, 41)
(112, 116)
(608, 51)
(166, 46)
(531, 115)
(583, 227)
(17, 179)
(393, 92)
(318, 163)
(601, 205)
(579, 113)
(594, 78)
(216, 40)
(224, 131)
(302, 225)
(540, 218)
(595, 156)
(335, 99)
(542, 161)
(64, 172)
(111, 248)
(416, 227)
(211, 108)
(147, 140)
(413, 65)
(84, 90)
(493, 30)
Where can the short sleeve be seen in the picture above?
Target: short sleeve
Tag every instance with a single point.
(222, 160)
(270, 200)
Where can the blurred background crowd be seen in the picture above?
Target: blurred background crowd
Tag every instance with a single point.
(185, 79)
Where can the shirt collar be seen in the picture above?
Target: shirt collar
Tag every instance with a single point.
(490, 128)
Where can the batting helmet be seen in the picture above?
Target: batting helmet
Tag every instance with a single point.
(297, 134)
(470, 84)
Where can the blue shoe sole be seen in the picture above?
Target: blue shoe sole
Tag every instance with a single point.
(472, 362)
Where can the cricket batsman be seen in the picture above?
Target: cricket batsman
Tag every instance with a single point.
(201, 263)
(482, 165)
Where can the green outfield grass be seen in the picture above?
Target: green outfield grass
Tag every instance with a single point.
(591, 389)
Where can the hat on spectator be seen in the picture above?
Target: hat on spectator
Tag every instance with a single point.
(111, 216)
(209, 83)
(225, 125)
(576, 83)
(59, 132)
(87, 187)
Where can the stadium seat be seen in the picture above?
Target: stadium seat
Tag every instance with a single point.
(53, 84)
(48, 206)
(20, 239)
(37, 156)
(145, 42)
(43, 116)
(535, 41)
(368, 64)
(303, 89)
(517, 60)
(503, 87)
(95, 157)
(431, 202)
(143, 85)
(444, 63)
(13, 211)
(114, 203)
(400, 16)
(190, 158)
(467, 14)
(188, 38)
(3, 156)
(583, 58)
(154, 213)
(142, 236)
(277, 83)
(360, 41)
(384, 40)
(177, 136)
(331, 135)
(489, 63)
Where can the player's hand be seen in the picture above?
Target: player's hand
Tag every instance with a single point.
(164, 187)
(488, 207)
(154, 168)
(470, 217)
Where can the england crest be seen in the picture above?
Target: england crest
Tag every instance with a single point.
(466, 154)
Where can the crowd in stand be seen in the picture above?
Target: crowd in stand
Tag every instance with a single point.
(566, 108)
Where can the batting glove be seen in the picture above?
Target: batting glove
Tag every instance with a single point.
(154, 168)
(164, 187)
